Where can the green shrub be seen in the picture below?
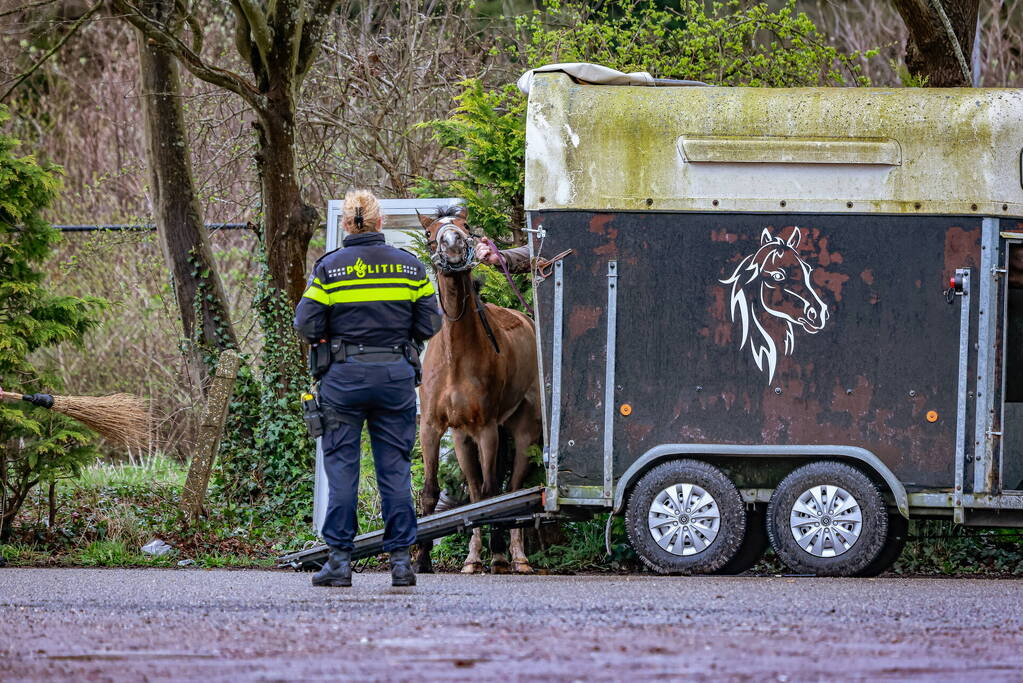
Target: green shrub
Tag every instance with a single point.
(36, 445)
(721, 43)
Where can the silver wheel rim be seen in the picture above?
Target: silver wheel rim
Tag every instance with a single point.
(684, 519)
(826, 521)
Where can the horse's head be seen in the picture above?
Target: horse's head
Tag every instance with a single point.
(450, 239)
(786, 291)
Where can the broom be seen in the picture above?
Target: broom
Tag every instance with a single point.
(122, 418)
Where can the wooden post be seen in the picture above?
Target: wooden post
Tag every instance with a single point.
(211, 429)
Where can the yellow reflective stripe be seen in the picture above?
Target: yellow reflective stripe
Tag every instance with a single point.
(425, 289)
(356, 296)
(374, 281)
(317, 295)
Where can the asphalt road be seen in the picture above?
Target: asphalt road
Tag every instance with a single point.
(245, 625)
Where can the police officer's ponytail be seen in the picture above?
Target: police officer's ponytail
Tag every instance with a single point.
(361, 213)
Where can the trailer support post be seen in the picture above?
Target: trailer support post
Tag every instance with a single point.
(551, 501)
(609, 376)
(964, 355)
(987, 318)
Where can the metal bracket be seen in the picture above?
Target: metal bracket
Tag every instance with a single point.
(964, 352)
(609, 376)
(539, 232)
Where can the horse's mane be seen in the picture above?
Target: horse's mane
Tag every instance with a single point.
(446, 211)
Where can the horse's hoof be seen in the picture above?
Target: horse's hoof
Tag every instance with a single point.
(521, 568)
(472, 568)
(500, 568)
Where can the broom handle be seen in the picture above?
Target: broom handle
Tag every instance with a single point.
(41, 400)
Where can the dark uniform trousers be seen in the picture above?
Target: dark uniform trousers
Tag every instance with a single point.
(383, 396)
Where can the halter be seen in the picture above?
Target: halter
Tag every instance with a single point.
(440, 262)
(440, 259)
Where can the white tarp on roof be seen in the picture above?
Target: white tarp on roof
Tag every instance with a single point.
(590, 73)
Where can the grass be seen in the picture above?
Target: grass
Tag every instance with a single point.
(157, 469)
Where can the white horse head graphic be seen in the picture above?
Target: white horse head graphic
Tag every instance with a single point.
(774, 283)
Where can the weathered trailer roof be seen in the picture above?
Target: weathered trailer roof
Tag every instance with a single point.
(883, 150)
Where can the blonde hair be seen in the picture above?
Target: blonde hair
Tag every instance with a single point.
(361, 204)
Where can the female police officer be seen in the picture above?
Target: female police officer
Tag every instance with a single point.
(370, 302)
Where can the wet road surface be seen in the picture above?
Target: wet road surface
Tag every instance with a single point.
(251, 625)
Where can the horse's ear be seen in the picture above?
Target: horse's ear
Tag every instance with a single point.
(766, 237)
(425, 221)
(794, 238)
(462, 212)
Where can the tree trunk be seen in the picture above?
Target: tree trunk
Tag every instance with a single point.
(288, 222)
(930, 50)
(205, 316)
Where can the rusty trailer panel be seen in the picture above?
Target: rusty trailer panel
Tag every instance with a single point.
(773, 331)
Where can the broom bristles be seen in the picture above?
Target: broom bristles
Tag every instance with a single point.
(122, 418)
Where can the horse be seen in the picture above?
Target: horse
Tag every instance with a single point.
(773, 288)
(479, 377)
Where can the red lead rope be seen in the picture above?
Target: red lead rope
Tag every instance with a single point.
(507, 274)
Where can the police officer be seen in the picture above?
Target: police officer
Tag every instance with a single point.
(370, 302)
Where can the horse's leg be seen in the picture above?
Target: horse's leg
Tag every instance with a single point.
(468, 461)
(429, 439)
(489, 447)
(525, 428)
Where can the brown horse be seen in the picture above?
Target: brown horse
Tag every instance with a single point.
(479, 376)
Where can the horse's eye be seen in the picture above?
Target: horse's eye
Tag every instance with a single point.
(778, 275)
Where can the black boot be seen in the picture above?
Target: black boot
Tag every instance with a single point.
(337, 571)
(401, 568)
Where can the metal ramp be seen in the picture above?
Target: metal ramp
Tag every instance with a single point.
(510, 509)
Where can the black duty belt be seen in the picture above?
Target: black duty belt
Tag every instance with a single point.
(367, 354)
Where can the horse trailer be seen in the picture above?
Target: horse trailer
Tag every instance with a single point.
(788, 317)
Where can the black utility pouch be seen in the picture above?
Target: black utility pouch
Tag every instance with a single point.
(319, 359)
(413, 352)
(312, 414)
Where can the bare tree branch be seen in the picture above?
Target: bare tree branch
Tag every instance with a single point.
(25, 8)
(956, 47)
(163, 36)
(259, 29)
(319, 16)
(53, 50)
(193, 25)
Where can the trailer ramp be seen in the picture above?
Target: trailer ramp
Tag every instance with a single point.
(511, 509)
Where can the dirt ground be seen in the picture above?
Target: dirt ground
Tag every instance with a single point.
(252, 625)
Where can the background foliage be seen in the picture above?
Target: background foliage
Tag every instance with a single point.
(36, 445)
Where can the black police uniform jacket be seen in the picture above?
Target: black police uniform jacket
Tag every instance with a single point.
(368, 293)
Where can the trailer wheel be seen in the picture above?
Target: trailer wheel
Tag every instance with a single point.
(827, 518)
(685, 517)
(898, 534)
(753, 545)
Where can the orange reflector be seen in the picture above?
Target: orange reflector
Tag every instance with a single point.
(932, 416)
(626, 409)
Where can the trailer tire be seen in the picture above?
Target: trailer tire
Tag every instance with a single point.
(898, 534)
(833, 545)
(753, 545)
(698, 538)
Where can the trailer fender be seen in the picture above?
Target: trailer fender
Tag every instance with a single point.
(670, 450)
